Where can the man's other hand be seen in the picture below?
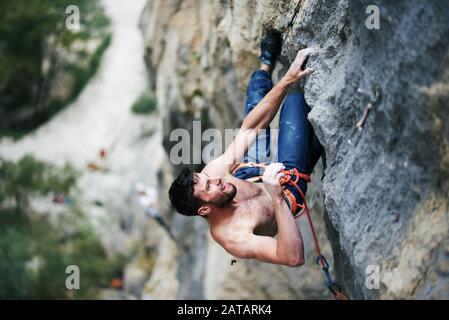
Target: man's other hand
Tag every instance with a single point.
(271, 178)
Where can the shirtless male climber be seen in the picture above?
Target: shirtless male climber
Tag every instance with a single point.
(245, 216)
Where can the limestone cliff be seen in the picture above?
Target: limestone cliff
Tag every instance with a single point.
(384, 193)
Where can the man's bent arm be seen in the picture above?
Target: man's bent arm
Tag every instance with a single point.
(289, 242)
(287, 249)
(289, 246)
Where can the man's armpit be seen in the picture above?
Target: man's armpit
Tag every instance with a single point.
(264, 249)
(239, 247)
(240, 252)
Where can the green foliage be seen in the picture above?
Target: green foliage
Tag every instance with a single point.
(29, 177)
(197, 93)
(34, 34)
(34, 253)
(146, 104)
(81, 76)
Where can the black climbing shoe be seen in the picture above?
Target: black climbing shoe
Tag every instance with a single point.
(271, 47)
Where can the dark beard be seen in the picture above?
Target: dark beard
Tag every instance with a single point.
(227, 197)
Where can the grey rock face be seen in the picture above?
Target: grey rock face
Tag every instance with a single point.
(385, 187)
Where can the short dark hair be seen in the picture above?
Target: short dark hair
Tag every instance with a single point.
(181, 194)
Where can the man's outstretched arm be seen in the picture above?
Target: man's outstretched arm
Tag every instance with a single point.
(261, 116)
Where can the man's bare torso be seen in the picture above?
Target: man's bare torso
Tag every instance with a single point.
(251, 211)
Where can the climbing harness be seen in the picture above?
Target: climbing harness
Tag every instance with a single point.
(286, 180)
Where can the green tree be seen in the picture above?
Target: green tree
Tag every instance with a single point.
(34, 49)
(35, 252)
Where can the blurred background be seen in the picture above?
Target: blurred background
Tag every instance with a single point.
(85, 123)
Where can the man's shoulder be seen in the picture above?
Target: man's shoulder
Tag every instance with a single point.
(218, 234)
(217, 167)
